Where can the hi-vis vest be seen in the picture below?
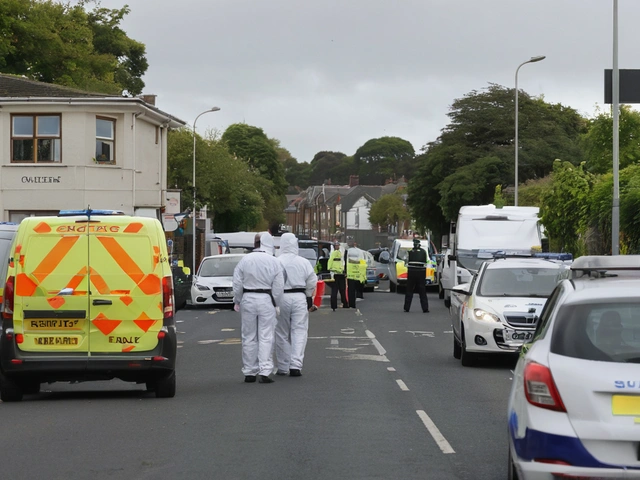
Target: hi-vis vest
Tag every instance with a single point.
(91, 287)
(354, 266)
(335, 263)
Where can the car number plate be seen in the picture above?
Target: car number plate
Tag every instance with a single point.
(53, 324)
(56, 340)
(517, 336)
(625, 405)
(224, 294)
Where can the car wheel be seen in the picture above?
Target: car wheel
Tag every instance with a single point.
(447, 302)
(165, 387)
(440, 291)
(468, 359)
(10, 391)
(457, 349)
(392, 287)
(512, 473)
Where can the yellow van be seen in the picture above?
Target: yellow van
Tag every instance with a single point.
(88, 296)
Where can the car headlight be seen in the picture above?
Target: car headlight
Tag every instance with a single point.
(202, 287)
(480, 314)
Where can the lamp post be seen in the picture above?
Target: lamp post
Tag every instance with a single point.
(531, 60)
(193, 213)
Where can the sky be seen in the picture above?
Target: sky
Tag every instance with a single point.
(328, 75)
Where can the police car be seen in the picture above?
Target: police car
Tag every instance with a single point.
(574, 407)
(497, 312)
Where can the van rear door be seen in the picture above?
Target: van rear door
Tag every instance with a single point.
(125, 301)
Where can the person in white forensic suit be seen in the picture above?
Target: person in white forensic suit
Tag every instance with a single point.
(257, 290)
(293, 321)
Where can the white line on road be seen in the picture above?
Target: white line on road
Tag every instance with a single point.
(402, 385)
(376, 343)
(435, 433)
(391, 369)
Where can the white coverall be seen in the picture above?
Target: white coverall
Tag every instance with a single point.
(259, 270)
(293, 320)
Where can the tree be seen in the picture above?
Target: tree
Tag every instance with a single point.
(388, 210)
(61, 43)
(382, 158)
(324, 166)
(598, 144)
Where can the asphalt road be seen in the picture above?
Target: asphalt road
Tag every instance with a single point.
(381, 397)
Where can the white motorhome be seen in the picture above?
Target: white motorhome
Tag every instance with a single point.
(487, 228)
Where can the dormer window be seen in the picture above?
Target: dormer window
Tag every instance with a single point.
(35, 138)
(105, 140)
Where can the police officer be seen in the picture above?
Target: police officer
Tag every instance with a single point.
(293, 321)
(258, 285)
(354, 272)
(337, 268)
(416, 275)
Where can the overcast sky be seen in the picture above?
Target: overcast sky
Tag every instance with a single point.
(332, 74)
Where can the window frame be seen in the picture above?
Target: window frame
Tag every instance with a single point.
(35, 137)
(97, 158)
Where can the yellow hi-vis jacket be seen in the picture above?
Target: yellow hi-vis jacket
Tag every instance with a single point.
(355, 257)
(336, 264)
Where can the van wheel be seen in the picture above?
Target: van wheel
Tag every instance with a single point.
(392, 287)
(165, 387)
(10, 391)
(440, 291)
(468, 359)
(31, 387)
(457, 349)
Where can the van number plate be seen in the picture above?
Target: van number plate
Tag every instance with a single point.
(53, 324)
(56, 340)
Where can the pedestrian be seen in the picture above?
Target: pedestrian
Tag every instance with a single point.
(337, 269)
(416, 276)
(354, 272)
(257, 293)
(293, 321)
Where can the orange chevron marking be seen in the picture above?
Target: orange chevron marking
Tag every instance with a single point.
(18, 249)
(105, 325)
(55, 256)
(144, 325)
(25, 287)
(56, 302)
(133, 228)
(42, 227)
(98, 281)
(77, 279)
(122, 258)
(128, 348)
(126, 300)
(150, 285)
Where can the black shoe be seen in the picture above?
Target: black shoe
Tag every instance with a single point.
(249, 378)
(406, 310)
(265, 379)
(425, 311)
(334, 309)
(294, 372)
(281, 373)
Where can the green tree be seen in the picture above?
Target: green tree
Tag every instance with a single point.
(388, 210)
(598, 140)
(64, 44)
(382, 158)
(564, 211)
(324, 166)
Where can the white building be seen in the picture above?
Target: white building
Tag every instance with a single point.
(64, 149)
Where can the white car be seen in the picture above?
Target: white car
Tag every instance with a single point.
(574, 407)
(497, 312)
(213, 285)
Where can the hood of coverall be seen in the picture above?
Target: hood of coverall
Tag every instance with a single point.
(266, 243)
(288, 244)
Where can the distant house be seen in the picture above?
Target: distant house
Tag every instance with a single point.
(62, 148)
(328, 212)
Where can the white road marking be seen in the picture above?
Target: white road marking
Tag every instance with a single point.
(374, 358)
(435, 433)
(227, 329)
(391, 369)
(334, 342)
(393, 331)
(421, 334)
(347, 331)
(376, 343)
(207, 342)
(402, 385)
(343, 349)
(448, 331)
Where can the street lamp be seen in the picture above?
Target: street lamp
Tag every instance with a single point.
(193, 213)
(531, 60)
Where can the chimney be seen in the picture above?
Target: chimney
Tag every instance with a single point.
(354, 180)
(148, 98)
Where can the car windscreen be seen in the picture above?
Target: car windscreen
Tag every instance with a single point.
(607, 332)
(519, 282)
(219, 266)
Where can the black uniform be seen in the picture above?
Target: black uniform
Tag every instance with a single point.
(416, 274)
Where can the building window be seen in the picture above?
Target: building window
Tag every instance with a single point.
(105, 140)
(35, 138)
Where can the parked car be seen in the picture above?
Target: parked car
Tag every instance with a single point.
(181, 287)
(382, 258)
(372, 274)
(498, 311)
(213, 285)
(574, 404)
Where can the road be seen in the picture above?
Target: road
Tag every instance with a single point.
(381, 397)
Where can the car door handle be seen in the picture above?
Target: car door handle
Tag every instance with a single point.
(102, 302)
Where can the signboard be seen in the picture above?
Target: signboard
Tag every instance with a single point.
(629, 86)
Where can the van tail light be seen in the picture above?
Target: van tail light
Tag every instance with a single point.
(19, 338)
(9, 287)
(167, 296)
(540, 388)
